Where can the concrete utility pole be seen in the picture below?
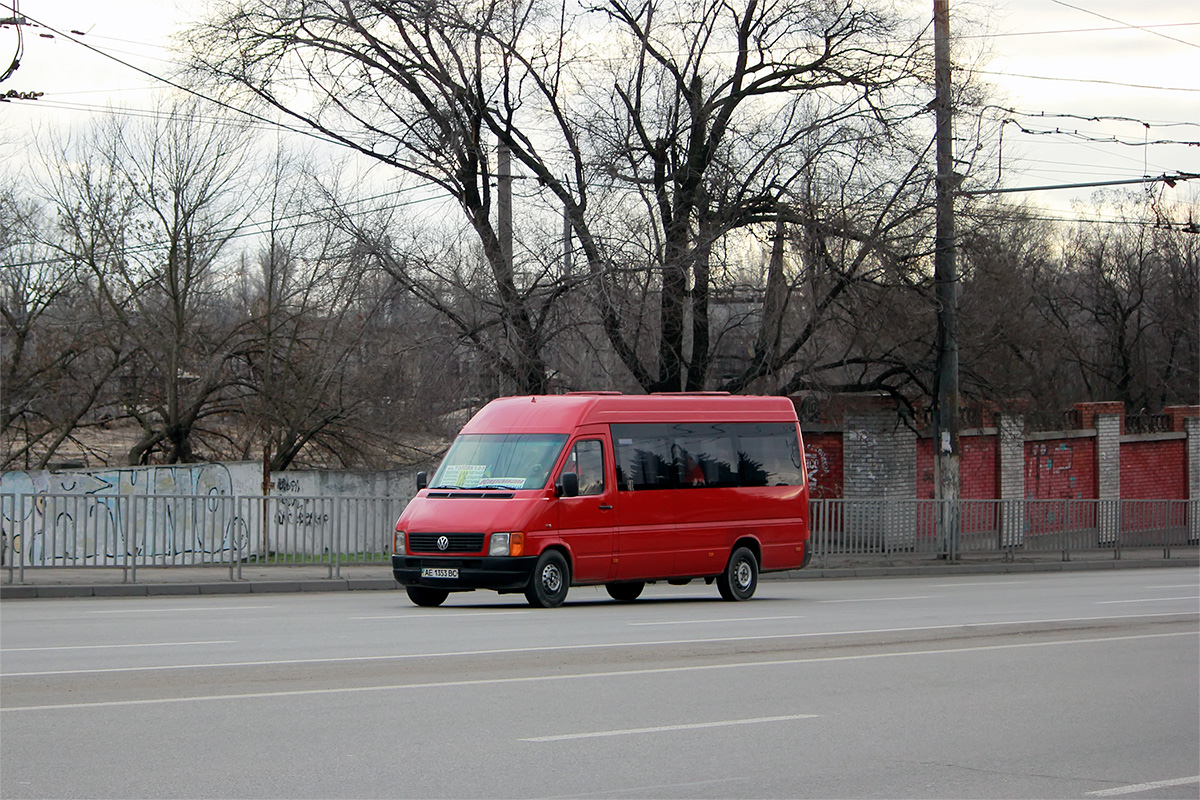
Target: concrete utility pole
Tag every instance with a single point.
(946, 448)
(504, 224)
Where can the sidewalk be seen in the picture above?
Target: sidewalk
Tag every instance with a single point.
(255, 579)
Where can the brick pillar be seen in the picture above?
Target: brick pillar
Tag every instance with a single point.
(880, 463)
(1192, 426)
(1108, 456)
(1108, 473)
(1011, 444)
(1088, 412)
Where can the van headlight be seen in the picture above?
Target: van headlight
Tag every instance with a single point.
(398, 543)
(506, 544)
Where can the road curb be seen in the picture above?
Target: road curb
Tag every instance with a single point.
(1000, 568)
(29, 591)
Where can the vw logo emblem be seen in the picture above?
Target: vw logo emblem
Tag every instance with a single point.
(443, 542)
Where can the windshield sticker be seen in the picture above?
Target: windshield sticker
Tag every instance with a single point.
(507, 483)
(465, 474)
(470, 476)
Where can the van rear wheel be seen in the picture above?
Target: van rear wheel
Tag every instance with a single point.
(425, 596)
(625, 592)
(740, 578)
(550, 580)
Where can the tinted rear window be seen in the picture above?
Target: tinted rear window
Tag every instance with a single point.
(685, 455)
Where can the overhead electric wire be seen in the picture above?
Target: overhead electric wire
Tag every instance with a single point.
(1127, 24)
(1088, 80)
(186, 89)
(20, 48)
(259, 120)
(254, 228)
(1010, 34)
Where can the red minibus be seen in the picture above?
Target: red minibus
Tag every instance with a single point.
(540, 493)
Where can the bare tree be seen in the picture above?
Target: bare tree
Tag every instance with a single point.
(1101, 309)
(686, 127)
(147, 212)
(402, 83)
(723, 112)
(56, 355)
(1125, 303)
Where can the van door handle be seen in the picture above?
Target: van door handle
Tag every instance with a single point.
(605, 507)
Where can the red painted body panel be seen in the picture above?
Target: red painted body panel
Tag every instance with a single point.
(627, 535)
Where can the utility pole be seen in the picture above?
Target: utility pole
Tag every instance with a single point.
(504, 224)
(946, 446)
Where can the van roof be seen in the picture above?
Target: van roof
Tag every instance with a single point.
(563, 413)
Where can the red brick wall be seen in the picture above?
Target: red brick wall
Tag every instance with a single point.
(978, 467)
(1054, 469)
(823, 458)
(1154, 470)
(1058, 469)
(925, 481)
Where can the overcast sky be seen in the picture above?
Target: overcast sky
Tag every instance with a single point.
(1071, 60)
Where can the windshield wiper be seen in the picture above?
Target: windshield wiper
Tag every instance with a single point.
(481, 487)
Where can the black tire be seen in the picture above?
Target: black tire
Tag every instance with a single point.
(550, 580)
(625, 592)
(425, 596)
(740, 578)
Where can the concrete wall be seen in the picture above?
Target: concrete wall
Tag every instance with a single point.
(196, 512)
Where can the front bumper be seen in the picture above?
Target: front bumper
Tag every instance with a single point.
(506, 573)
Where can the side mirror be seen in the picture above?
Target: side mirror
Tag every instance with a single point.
(568, 485)
(422, 480)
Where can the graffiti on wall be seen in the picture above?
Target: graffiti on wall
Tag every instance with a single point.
(819, 465)
(154, 515)
(1050, 471)
(294, 509)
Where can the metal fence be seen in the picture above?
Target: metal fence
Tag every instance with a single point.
(1007, 527)
(131, 531)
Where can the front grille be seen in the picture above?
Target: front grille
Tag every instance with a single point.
(459, 542)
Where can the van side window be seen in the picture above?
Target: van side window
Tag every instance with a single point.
(695, 455)
(587, 461)
(645, 457)
(769, 455)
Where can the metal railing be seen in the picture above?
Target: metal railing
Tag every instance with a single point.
(136, 531)
(1006, 527)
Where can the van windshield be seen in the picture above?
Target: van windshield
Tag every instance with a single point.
(499, 461)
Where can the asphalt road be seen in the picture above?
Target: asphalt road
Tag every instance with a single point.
(1042, 685)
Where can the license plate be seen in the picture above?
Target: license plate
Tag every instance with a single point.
(438, 572)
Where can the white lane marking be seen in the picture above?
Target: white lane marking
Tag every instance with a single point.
(209, 609)
(447, 614)
(1144, 787)
(882, 599)
(587, 675)
(706, 621)
(112, 646)
(1145, 600)
(984, 583)
(666, 728)
(1174, 586)
(594, 646)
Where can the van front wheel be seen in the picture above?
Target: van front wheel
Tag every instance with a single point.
(550, 580)
(425, 596)
(740, 578)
